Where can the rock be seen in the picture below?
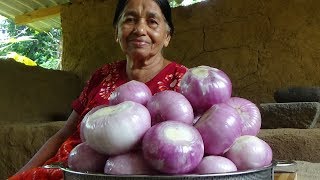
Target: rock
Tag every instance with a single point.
(301, 115)
(293, 144)
(297, 94)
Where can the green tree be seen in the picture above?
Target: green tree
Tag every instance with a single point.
(42, 47)
(176, 3)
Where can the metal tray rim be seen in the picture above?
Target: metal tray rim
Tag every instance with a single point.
(270, 166)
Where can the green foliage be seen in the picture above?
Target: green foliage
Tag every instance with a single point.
(41, 47)
(176, 3)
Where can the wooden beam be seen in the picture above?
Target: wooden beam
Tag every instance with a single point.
(38, 15)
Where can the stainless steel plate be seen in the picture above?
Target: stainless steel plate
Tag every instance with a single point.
(265, 173)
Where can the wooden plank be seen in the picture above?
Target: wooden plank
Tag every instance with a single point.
(38, 15)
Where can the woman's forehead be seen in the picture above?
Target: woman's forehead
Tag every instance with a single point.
(139, 7)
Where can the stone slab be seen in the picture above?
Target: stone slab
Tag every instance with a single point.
(301, 115)
(293, 144)
(297, 94)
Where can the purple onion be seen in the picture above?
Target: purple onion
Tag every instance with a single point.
(170, 105)
(173, 147)
(117, 129)
(219, 128)
(129, 163)
(215, 164)
(83, 158)
(249, 114)
(85, 118)
(205, 86)
(131, 91)
(249, 152)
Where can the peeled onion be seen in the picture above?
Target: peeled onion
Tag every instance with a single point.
(85, 118)
(129, 163)
(205, 86)
(219, 128)
(249, 114)
(83, 158)
(117, 129)
(215, 164)
(173, 147)
(249, 152)
(170, 105)
(131, 91)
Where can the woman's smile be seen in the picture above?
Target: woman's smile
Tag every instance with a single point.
(138, 43)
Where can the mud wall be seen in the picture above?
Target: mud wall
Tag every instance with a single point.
(261, 44)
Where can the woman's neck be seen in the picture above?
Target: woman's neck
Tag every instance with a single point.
(144, 70)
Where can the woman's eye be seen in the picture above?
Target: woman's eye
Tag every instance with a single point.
(153, 22)
(129, 20)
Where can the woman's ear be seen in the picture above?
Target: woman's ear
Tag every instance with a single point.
(167, 40)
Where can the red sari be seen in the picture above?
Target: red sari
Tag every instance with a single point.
(96, 92)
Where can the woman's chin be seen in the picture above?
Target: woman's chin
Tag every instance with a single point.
(140, 54)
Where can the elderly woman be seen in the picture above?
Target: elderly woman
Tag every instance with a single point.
(142, 29)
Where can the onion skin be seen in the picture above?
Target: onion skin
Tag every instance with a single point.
(205, 86)
(249, 113)
(170, 105)
(215, 164)
(250, 152)
(117, 129)
(131, 91)
(219, 128)
(173, 147)
(129, 163)
(83, 158)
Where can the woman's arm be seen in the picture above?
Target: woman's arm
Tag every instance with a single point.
(50, 148)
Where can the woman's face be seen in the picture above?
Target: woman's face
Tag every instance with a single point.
(142, 30)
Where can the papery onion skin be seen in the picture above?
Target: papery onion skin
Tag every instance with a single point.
(170, 105)
(250, 152)
(249, 113)
(219, 128)
(131, 91)
(205, 86)
(215, 164)
(129, 163)
(173, 147)
(117, 129)
(83, 158)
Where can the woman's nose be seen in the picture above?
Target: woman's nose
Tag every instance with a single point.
(140, 28)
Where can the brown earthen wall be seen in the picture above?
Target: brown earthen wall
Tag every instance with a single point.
(261, 44)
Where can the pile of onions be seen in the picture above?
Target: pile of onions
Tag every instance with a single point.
(200, 130)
